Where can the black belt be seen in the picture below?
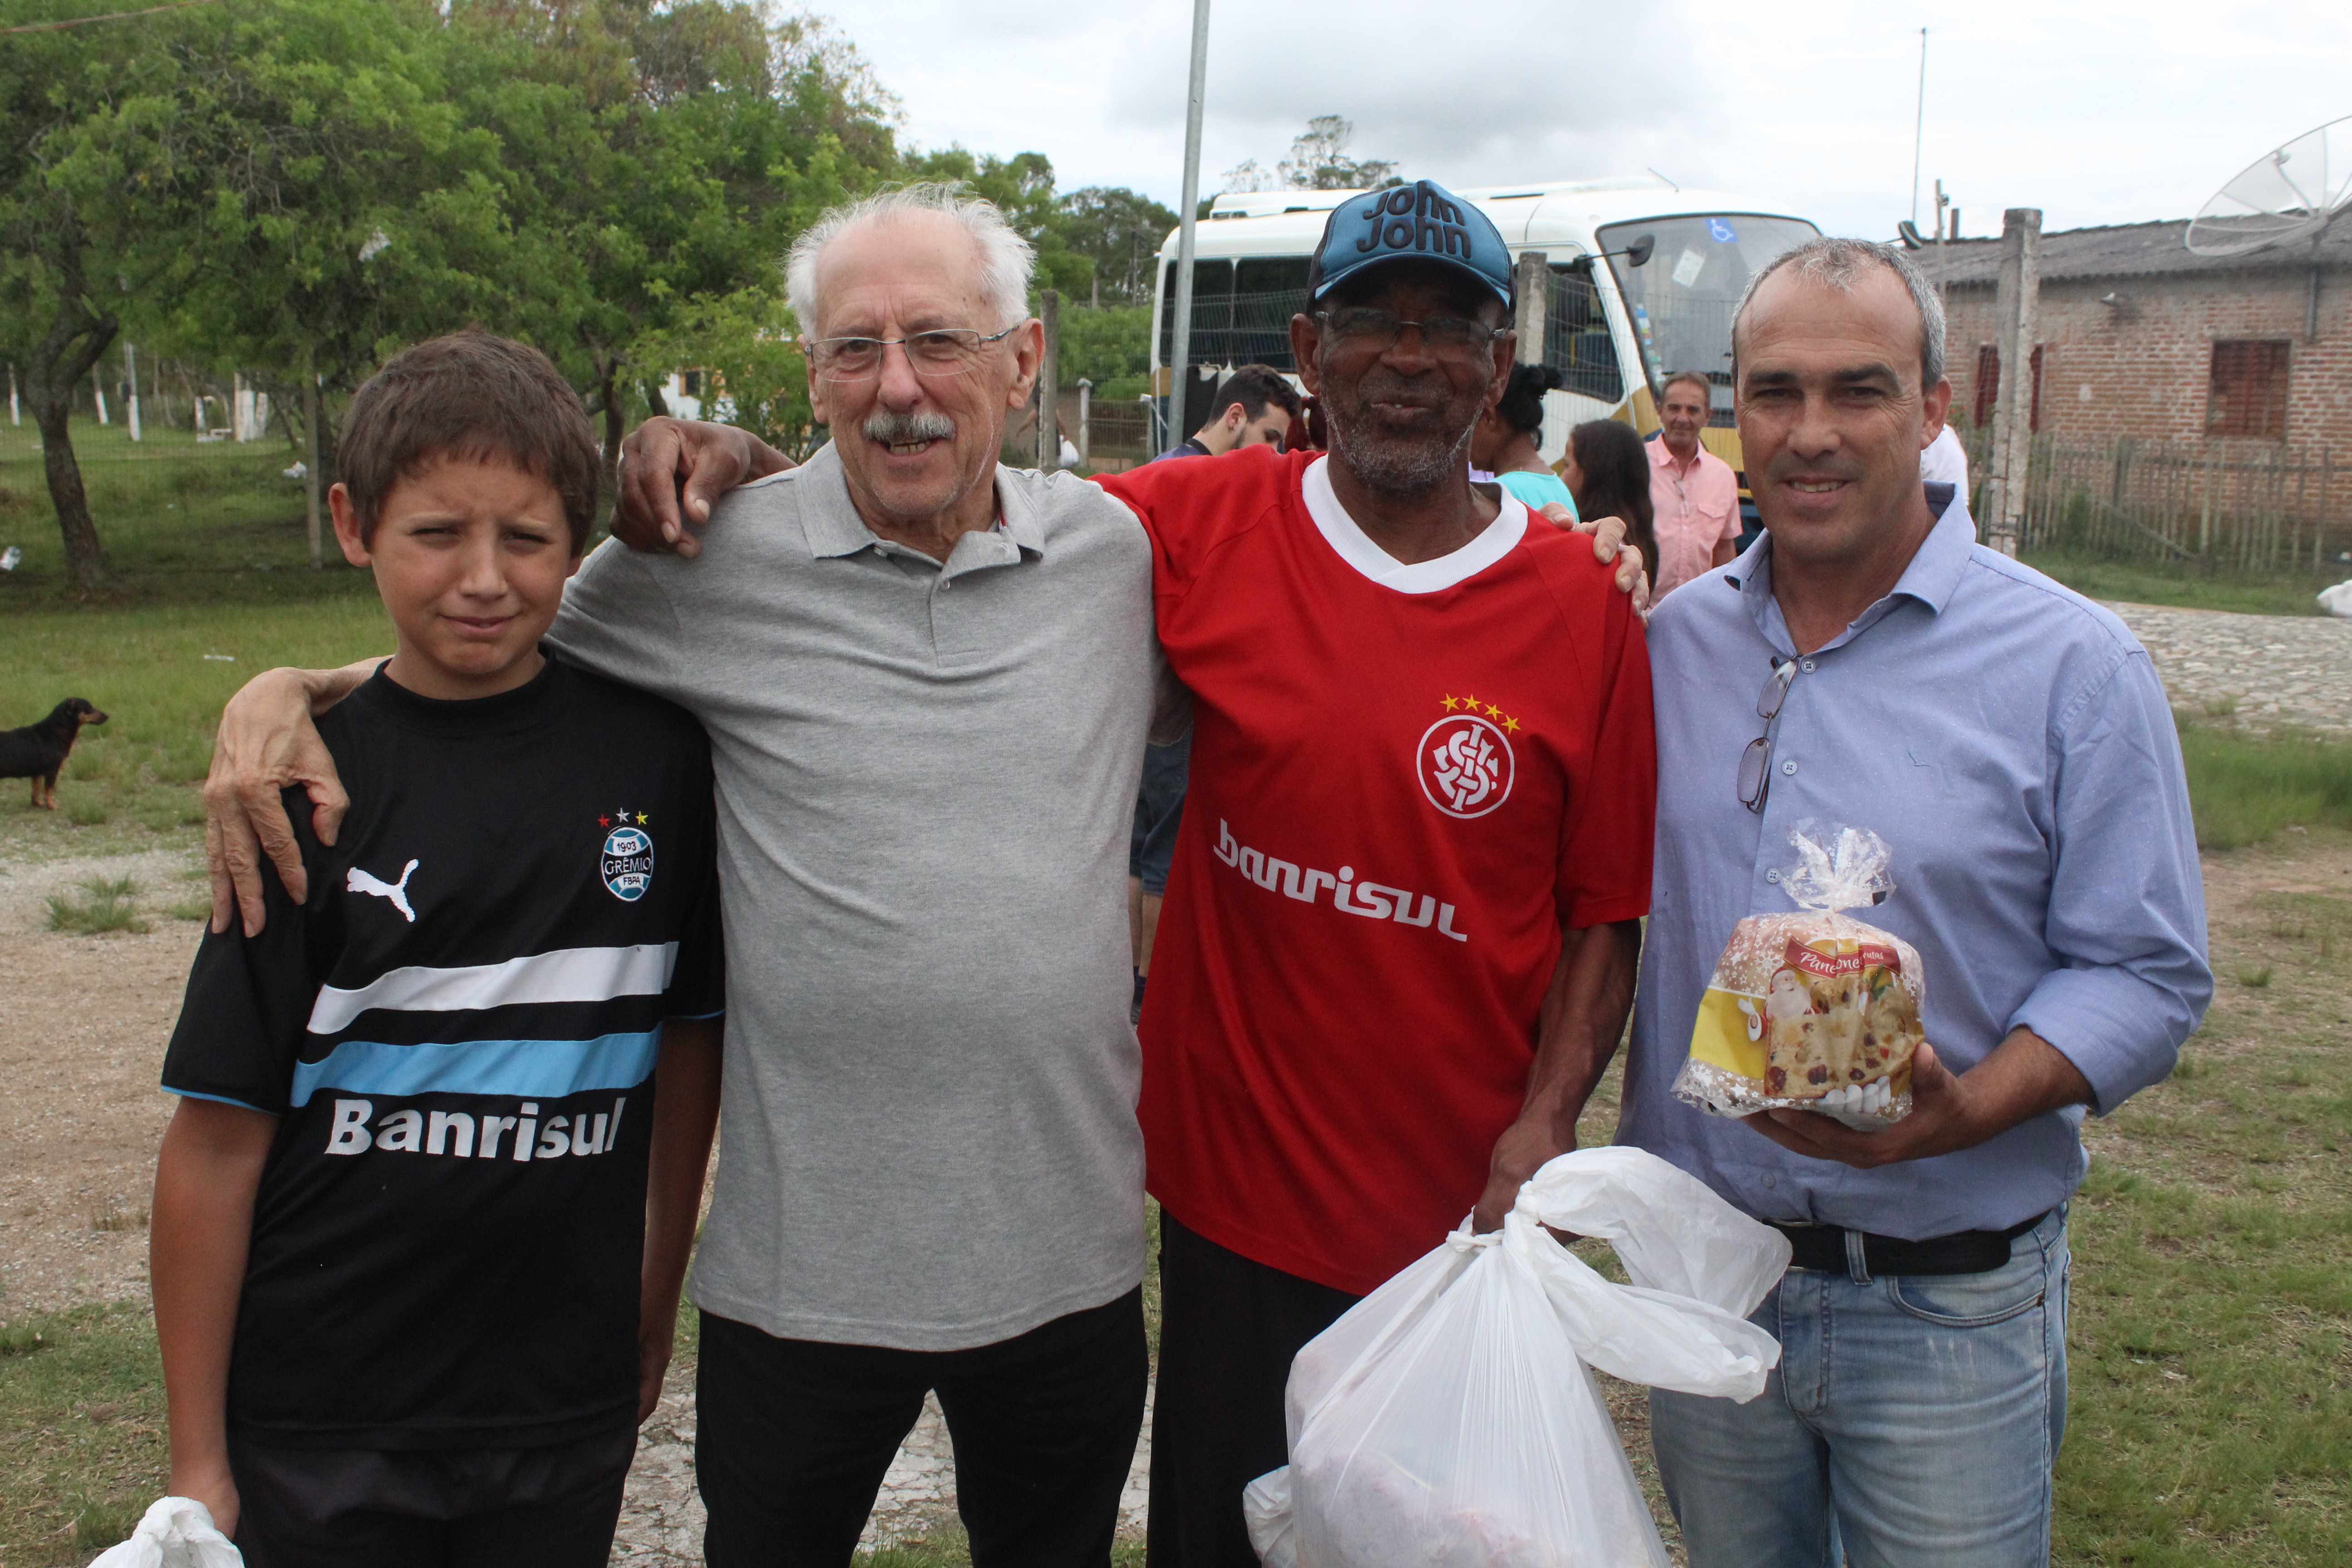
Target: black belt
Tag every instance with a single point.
(1825, 1248)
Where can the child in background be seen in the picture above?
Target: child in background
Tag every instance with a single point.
(420, 1219)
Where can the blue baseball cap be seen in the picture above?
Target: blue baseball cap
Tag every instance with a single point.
(1423, 221)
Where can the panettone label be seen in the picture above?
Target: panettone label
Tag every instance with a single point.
(1834, 959)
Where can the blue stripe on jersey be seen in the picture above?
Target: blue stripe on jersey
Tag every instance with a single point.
(545, 1069)
(218, 1100)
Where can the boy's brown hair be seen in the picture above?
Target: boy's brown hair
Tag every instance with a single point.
(472, 396)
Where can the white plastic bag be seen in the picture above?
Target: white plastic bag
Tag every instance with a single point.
(177, 1533)
(1449, 1420)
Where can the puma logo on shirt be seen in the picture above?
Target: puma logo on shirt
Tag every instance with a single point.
(358, 882)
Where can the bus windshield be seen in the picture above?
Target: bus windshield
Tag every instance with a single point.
(1681, 300)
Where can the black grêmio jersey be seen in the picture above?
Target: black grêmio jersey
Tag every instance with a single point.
(457, 1033)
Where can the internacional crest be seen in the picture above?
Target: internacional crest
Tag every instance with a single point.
(1465, 759)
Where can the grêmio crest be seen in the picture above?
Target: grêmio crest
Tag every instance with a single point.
(627, 863)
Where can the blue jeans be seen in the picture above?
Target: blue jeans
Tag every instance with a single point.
(1913, 1420)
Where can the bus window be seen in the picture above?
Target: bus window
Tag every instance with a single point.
(1267, 292)
(1576, 338)
(1681, 300)
(1213, 308)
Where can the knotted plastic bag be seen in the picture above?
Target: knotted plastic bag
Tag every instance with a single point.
(1813, 1011)
(1449, 1420)
(177, 1533)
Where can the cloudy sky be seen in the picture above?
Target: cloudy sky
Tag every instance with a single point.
(2095, 111)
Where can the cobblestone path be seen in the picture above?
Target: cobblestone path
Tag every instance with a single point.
(2262, 671)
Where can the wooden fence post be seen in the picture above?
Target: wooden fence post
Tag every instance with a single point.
(1049, 381)
(1534, 288)
(2015, 300)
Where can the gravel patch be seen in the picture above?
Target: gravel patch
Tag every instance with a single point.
(2262, 672)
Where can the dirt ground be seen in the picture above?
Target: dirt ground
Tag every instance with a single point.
(83, 1023)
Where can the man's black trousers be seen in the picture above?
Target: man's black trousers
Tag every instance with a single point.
(793, 1438)
(1228, 1330)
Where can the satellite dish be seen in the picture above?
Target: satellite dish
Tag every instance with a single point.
(2290, 194)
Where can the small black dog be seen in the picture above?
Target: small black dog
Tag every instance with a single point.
(37, 750)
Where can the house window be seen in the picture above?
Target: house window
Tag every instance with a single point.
(1988, 384)
(2033, 410)
(2248, 394)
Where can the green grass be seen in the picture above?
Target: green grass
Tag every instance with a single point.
(178, 520)
(2211, 1361)
(2243, 789)
(2184, 584)
(82, 1448)
(132, 782)
(110, 905)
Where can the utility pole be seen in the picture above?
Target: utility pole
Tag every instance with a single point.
(130, 379)
(311, 468)
(1049, 376)
(15, 411)
(1941, 203)
(1533, 285)
(2015, 300)
(1086, 392)
(1920, 130)
(1180, 326)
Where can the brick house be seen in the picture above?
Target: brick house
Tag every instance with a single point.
(2138, 337)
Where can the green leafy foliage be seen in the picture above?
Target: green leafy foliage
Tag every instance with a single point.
(1120, 231)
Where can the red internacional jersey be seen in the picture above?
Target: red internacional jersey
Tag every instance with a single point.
(1399, 790)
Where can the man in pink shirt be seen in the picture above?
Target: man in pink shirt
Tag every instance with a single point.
(1692, 490)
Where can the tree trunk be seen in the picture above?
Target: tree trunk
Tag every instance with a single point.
(75, 341)
(310, 475)
(611, 388)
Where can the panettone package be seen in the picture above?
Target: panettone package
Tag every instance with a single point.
(1814, 1010)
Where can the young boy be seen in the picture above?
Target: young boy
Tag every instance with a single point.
(420, 1221)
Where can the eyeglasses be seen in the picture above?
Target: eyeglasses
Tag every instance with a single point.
(1756, 762)
(1365, 329)
(945, 351)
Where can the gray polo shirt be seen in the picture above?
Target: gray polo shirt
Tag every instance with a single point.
(925, 777)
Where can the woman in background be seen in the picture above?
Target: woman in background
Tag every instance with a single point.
(1609, 474)
(1504, 440)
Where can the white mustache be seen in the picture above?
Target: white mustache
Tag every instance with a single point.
(885, 429)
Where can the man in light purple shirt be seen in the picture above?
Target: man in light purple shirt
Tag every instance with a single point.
(2009, 740)
(1693, 493)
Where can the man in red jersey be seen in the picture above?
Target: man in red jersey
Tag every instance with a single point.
(1400, 936)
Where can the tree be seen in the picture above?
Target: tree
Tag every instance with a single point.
(1120, 231)
(1022, 186)
(1318, 161)
(650, 204)
(326, 199)
(66, 260)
